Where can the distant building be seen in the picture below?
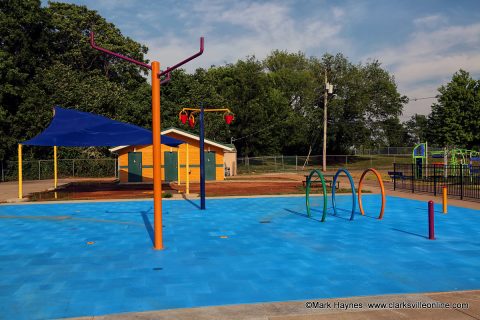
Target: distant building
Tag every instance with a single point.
(135, 163)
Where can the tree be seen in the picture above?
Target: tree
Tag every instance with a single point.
(366, 108)
(454, 118)
(23, 50)
(47, 61)
(416, 128)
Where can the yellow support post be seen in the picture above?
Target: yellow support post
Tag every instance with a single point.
(187, 172)
(20, 173)
(178, 165)
(445, 199)
(55, 168)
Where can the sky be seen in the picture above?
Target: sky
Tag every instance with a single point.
(421, 43)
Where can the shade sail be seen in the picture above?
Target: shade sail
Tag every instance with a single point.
(72, 128)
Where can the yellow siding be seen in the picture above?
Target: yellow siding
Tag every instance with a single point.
(194, 159)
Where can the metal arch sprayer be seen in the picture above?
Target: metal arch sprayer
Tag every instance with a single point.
(156, 127)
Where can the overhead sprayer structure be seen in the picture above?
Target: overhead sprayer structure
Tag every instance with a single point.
(156, 76)
(189, 113)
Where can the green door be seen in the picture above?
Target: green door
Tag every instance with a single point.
(170, 165)
(210, 166)
(134, 167)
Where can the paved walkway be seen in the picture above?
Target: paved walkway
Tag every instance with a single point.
(468, 203)
(332, 309)
(9, 190)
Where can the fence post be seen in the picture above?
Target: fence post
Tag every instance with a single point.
(461, 181)
(73, 167)
(296, 163)
(413, 178)
(435, 180)
(283, 164)
(275, 159)
(3, 175)
(346, 161)
(39, 170)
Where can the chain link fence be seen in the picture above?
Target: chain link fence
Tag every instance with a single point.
(67, 168)
(390, 151)
(301, 163)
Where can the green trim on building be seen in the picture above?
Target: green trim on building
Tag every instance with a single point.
(150, 166)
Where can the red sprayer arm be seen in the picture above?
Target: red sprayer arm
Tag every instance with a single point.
(167, 79)
(94, 46)
(142, 64)
(170, 69)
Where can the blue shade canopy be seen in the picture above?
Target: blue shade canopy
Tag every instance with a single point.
(72, 128)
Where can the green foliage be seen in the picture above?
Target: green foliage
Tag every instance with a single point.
(416, 129)
(454, 120)
(46, 60)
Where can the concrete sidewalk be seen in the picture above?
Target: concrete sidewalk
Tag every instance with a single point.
(434, 307)
(9, 190)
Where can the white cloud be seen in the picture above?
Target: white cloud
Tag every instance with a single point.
(430, 21)
(252, 28)
(429, 58)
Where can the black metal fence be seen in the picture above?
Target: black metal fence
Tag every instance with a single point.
(461, 180)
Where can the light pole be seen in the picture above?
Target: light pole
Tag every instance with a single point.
(327, 90)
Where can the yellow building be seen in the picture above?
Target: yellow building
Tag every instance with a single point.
(135, 163)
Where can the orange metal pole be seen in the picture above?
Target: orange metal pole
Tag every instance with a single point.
(157, 152)
(382, 189)
(445, 199)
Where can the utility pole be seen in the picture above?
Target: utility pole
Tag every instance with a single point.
(327, 90)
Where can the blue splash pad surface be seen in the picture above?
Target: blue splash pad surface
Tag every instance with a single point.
(237, 251)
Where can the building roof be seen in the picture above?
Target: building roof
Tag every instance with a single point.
(190, 135)
(73, 128)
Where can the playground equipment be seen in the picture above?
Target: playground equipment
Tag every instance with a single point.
(319, 177)
(454, 156)
(420, 158)
(352, 185)
(382, 189)
(156, 74)
(324, 189)
(419, 154)
(190, 114)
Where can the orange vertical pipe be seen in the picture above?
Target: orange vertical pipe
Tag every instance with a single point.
(20, 172)
(444, 197)
(157, 152)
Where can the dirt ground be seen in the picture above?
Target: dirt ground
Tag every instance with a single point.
(245, 185)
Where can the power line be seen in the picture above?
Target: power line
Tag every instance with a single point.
(416, 99)
(263, 129)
